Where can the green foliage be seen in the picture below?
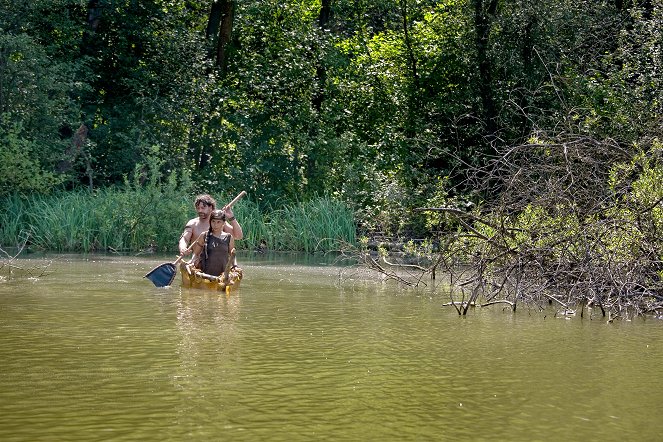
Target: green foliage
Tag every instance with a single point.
(639, 203)
(20, 169)
(34, 104)
(385, 108)
(148, 214)
(151, 86)
(317, 225)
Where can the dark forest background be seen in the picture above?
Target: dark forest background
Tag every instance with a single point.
(385, 105)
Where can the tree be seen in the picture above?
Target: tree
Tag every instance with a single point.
(34, 109)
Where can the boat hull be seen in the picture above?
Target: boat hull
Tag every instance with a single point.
(195, 279)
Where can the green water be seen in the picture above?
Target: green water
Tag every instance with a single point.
(93, 351)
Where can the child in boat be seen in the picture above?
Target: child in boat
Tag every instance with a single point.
(211, 250)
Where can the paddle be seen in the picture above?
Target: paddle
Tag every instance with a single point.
(164, 274)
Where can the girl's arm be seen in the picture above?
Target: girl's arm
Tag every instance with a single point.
(198, 248)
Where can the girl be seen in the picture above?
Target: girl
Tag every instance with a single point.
(211, 250)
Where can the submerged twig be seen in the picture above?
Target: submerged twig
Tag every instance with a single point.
(9, 268)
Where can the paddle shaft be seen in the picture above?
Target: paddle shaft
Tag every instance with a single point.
(237, 198)
(179, 258)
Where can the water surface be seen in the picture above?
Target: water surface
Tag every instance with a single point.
(93, 351)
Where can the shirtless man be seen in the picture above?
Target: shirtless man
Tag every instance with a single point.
(204, 205)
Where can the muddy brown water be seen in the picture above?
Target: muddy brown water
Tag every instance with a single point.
(93, 351)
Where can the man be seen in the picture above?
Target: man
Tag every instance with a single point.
(204, 205)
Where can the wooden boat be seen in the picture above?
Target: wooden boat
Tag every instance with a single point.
(195, 279)
(228, 281)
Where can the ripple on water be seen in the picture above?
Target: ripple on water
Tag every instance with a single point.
(96, 353)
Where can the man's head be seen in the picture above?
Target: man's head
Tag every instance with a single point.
(204, 205)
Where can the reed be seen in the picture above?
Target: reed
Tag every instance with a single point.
(137, 219)
(12, 225)
(312, 226)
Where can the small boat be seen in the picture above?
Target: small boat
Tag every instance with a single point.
(195, 279)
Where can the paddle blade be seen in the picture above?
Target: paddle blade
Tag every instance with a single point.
(163, 275)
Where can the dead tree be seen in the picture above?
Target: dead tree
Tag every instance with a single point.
(567, 229)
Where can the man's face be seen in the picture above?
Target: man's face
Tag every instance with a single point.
(203, 210)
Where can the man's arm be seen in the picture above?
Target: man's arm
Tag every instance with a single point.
(185, 238)
(234, 229)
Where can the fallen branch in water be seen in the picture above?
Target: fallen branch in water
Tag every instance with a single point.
(9, 269)
(568, 221)
(566, 227)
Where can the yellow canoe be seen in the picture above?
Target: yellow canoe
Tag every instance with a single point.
(195, 279)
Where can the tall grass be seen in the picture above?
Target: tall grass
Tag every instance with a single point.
(151, 217)
(311, 226)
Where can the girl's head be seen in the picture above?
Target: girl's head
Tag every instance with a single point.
(217, 219)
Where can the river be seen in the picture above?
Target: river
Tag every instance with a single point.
(92, 351)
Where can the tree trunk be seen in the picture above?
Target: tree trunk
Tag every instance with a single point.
(214, 21)
(413, 100)
(219, 33)
(325, 14)
(412, 60)
(321, 70)
(225, 34)
(94, 12)
(482, 21)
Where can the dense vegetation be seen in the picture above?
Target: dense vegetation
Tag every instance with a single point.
(149, 217)
(383, 106)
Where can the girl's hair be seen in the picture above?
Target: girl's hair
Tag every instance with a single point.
(217, 214)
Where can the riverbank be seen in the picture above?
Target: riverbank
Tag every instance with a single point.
(150, 219)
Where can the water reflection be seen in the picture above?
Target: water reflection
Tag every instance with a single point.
(207, 322)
